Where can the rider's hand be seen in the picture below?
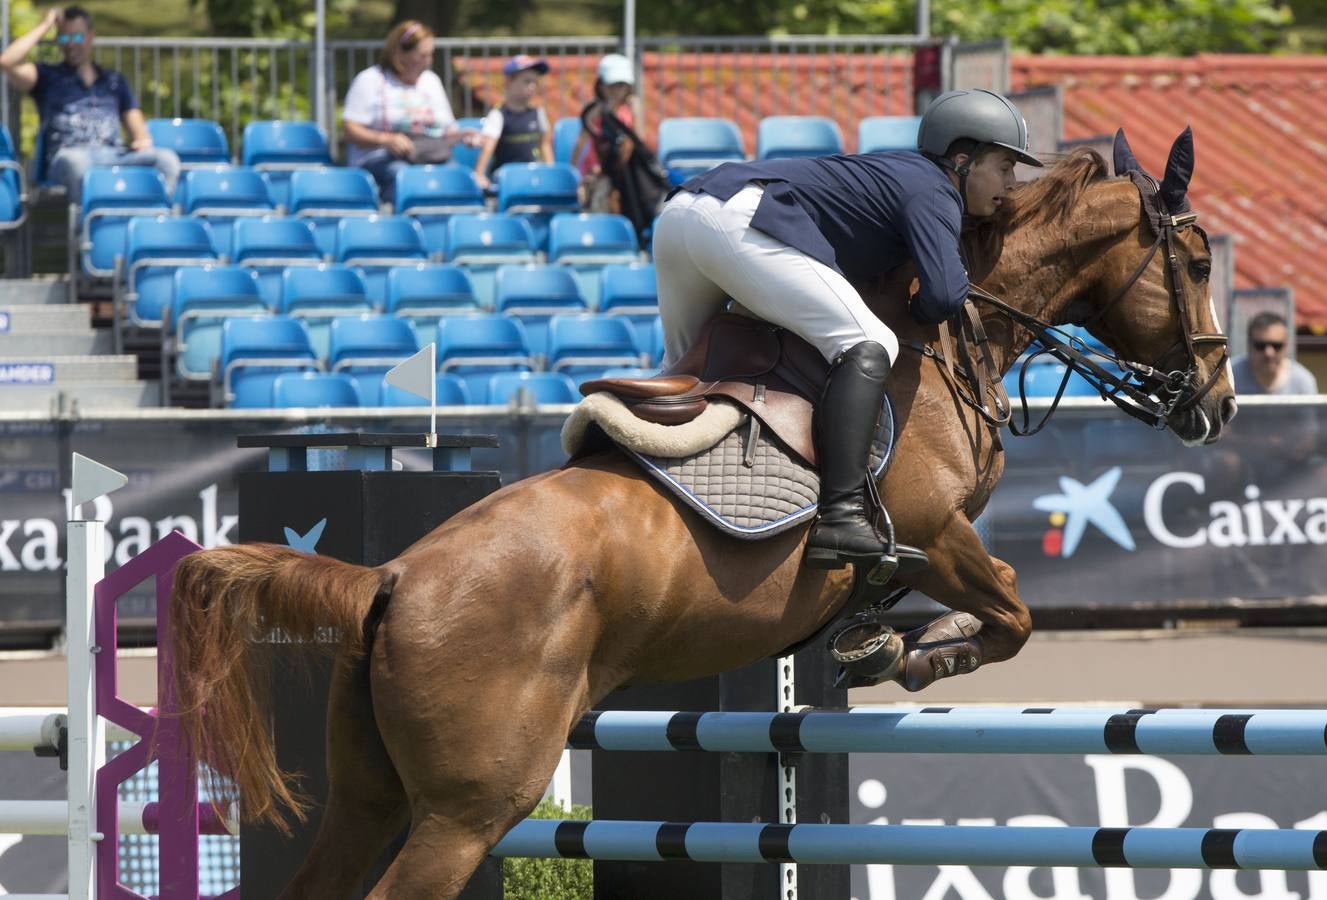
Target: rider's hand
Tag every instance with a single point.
(142, 143)
(54, 16)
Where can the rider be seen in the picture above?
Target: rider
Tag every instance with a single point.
(784, 238)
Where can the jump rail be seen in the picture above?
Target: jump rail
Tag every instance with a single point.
(979, 845)
(1157, 732)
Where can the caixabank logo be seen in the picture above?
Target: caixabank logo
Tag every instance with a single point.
(1077, 506)
(1179, 513)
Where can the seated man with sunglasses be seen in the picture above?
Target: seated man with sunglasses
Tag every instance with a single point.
(1267, 368)
(82, 105)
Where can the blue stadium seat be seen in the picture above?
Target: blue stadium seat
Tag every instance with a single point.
(688, 147)
(366, 347)
(222, 194)
(326, 195)
(13, 191)
(1043, 380)
(155, 247)
(195, 141)
(475, 347)
(270, 244)
(451, 391)
(111, 196)
(205, 297)
(533, 294)
(540, 387)
(483, 241)
(565, 132)
(432, 194)
(421, 293)
(255, 351)
(876, 133)
(656, 353)
(632, 293)
(582, 346)
(314, 390)
(782, 136)
(319, 293)
(589, 241)
(536, 191)
(464, 156)
(278, 147)
(376, 243)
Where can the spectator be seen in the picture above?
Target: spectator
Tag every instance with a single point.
(629, 178)
(1267, 367)
(516, 131)
(614, 92)
(82, 105)
(397, 112)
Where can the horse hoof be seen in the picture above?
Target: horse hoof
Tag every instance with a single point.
(868, 650)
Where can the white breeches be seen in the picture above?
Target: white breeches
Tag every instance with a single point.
(706, 251)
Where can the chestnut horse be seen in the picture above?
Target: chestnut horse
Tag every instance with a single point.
(464, 662)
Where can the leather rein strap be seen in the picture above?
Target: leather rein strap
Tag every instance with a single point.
(1147, 393)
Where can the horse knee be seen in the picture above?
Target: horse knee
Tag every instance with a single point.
(1013, 627)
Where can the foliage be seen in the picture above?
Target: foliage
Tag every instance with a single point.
(1179, 27)
(550, 879)
(1129, 27)
(269, 18)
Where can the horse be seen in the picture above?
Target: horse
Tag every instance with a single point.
(463, 664)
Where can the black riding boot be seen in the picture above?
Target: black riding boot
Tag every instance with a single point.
(845, 424)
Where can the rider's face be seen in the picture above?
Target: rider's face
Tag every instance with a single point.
(989, 180)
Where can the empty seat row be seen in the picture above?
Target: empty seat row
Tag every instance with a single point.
(315, 389)
(252, 351)
(689, 146)
(155, 247)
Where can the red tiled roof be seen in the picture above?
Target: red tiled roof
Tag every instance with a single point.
(744, 87)
(1260, 139)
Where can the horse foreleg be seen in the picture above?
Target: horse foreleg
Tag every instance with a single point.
(990, 622)
(366, 805)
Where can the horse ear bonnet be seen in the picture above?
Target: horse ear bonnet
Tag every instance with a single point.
(1125, 161)
(1179, 169)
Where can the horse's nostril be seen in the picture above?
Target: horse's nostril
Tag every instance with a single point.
(1229, 407)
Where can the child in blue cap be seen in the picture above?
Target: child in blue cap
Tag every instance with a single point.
(517, 130)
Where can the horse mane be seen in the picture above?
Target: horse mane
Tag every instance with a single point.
(1045, 201)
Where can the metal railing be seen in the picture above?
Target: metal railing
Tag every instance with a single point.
(235, 80)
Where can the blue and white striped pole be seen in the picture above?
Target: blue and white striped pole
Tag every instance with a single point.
(945, 730)
(973, 845)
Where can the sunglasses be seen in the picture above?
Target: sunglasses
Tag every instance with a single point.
(76, 37)
(1264, 346)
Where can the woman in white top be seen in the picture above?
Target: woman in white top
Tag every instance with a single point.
(397, 112)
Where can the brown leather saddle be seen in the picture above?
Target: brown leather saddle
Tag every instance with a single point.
(771, 373)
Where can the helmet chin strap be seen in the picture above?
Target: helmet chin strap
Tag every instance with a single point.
(962, 171)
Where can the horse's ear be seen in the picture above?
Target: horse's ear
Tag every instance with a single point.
(1179, 169)
(1125, 161)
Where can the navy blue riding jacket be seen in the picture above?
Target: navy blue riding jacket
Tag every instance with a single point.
(862, 215)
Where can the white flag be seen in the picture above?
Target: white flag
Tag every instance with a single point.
(415, 375)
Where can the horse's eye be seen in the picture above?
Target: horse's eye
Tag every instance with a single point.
(1200, 269)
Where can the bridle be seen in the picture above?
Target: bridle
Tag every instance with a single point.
(1148, 393)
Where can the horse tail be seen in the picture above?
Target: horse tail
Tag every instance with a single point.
(229, 607)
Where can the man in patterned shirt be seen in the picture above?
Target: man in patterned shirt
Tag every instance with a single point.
(82, 105)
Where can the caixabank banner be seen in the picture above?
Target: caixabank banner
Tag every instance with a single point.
(1113, 791)
(1096, 513)
(1102, 513)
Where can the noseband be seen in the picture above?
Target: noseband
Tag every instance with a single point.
(1148, 393)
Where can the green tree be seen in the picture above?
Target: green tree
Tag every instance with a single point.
(1044, 26)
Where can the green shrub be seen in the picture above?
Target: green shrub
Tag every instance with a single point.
(550, 879)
